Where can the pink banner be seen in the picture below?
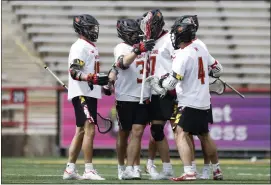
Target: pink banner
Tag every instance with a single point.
(240, 124)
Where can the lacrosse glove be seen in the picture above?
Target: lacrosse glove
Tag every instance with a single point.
(97, 79)
(143, 46)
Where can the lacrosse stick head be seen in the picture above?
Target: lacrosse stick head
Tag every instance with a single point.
(217, 86)
(145, 25)
(153, 24)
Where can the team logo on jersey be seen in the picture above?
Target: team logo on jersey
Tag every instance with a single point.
(177, 76)
(79, 62)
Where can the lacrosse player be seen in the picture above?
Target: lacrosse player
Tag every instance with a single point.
(84, 90)
(189, 75)
(160, 108)
(132, 116)
(214, 71)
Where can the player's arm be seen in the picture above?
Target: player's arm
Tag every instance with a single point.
(215, 68)
(76, 72)
(169, 82)
(112, 77)
(124, 61)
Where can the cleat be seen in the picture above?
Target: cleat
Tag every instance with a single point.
(137, 174)
(205, 175)
(71, 175)
(217, 175)
(92, 175)
(120, 172)
(185, 177)
(129, 175)
(151, 170)
(165, 175)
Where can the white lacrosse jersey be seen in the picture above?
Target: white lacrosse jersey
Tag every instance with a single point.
(212, 60)
(88, 53)
(161, 56)
(191, 64)
(129, 81)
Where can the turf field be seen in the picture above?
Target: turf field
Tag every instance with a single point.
(50, 170)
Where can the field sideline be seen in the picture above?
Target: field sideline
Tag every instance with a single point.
(50, 170)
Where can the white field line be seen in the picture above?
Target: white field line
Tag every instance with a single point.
(251, 174)
(44, 175)
(244, 168)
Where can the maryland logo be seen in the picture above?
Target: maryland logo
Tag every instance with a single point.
(80, 62)
(177, 76)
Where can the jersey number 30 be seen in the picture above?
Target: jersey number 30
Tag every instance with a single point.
(201, 72)
(151, 62)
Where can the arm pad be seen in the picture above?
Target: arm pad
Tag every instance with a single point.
(216, 70)
(76, 70)
(120, 63)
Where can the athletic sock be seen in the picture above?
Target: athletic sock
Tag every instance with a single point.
(188, 169)
(88, 167)
(150, 162)
(206, 167)
(130, 168)
(194, 166)
(137, 167)
(121, 167)
(70, 166)
(216, 167)
(167, 167)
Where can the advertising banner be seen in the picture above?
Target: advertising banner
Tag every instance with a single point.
(239, 124)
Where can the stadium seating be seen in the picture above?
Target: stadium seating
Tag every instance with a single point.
(237, 34)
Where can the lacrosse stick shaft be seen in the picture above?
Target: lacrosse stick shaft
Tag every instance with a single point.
(53, 74)
(143, 79)
(232, 88)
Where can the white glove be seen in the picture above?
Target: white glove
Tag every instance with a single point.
(153, 82)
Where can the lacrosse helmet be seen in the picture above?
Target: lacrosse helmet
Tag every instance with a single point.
(129, 31)
(183, 30)
(194, 17)
(157, 23)
(87, 26)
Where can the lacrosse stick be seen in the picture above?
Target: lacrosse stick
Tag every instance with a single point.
(146, 28)
(104, 126)
(232, 88)
(217, 86)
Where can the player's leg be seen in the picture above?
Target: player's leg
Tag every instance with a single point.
(137, 167)
(193, 154)
(190, 121)
(150, 167)
(211, 152)
(89, 107)
(206, 167)
(121, 146)
(125, 119)
(141, 118)
(161, 111)
(76, 144)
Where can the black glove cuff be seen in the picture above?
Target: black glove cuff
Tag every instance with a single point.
(136, 51)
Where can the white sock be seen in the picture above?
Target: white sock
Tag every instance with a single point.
(88, 167)
(206, 167)
(137, 167)
(122, 167)
(216, 166)
(70, 166)
(150, 162)
(129, 168)
(167, 166)
(188, 169)
(194, 166)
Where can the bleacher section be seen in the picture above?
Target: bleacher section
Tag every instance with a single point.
(237, 33)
